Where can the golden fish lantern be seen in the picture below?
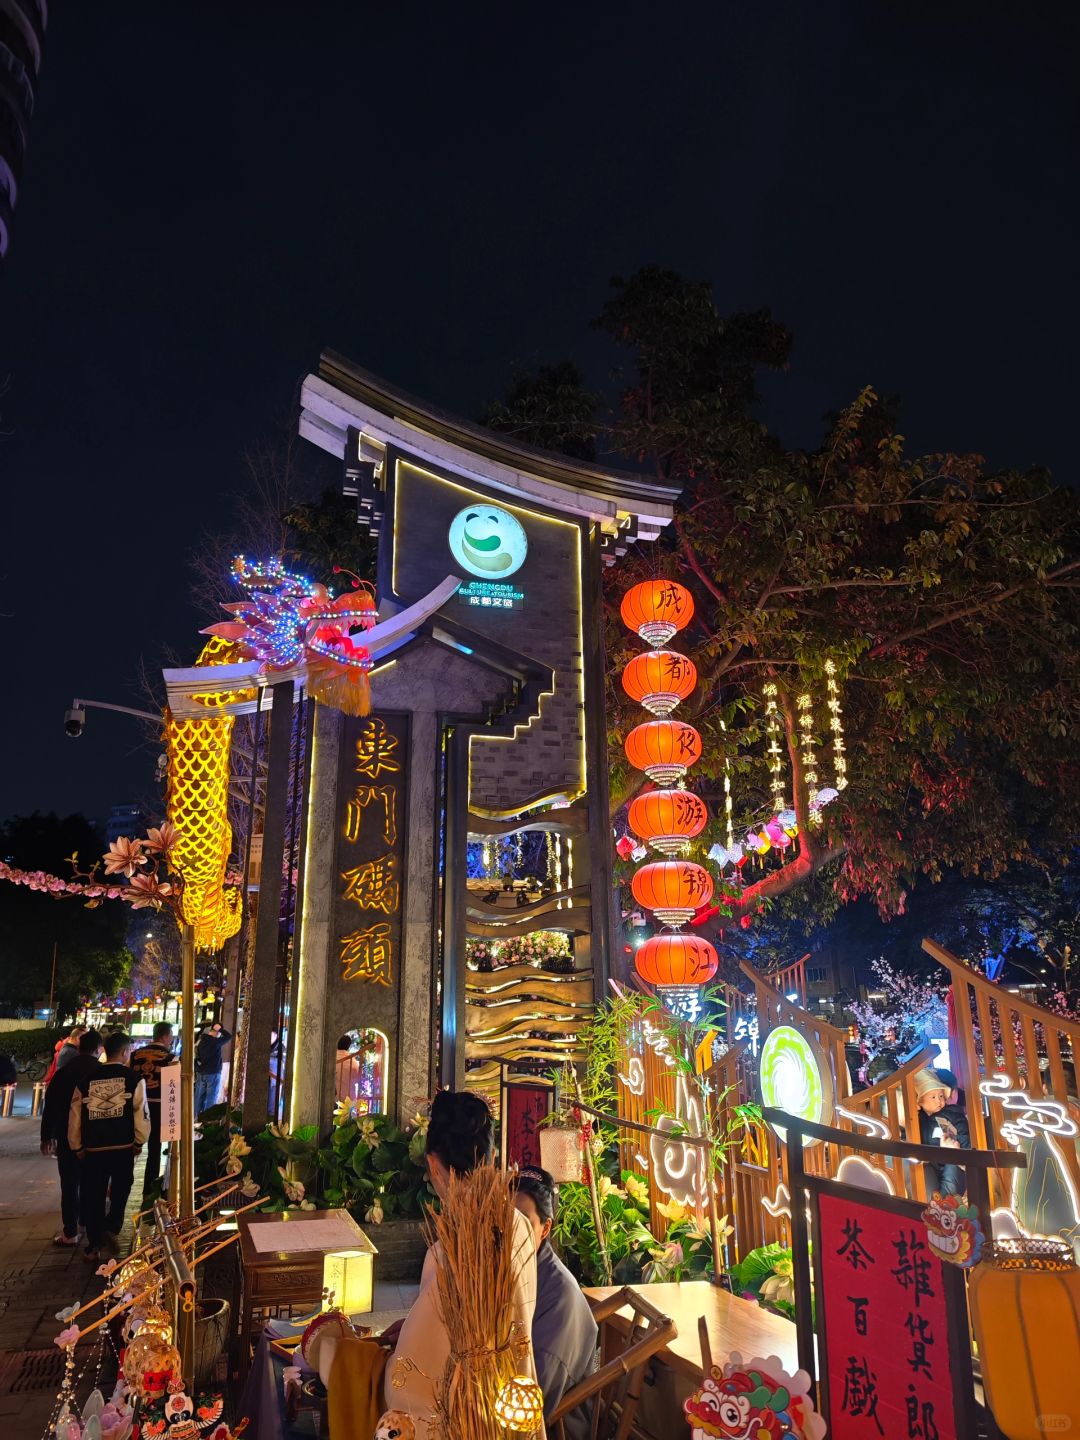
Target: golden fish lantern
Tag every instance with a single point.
(519, 1406)
(1025, 1300)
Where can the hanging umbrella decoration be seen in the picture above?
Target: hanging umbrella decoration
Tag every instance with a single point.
(668, 818)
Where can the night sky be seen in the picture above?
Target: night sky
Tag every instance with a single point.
(216, 191)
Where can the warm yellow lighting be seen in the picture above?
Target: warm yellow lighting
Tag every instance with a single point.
(349, 1279)
(520, 1405)
(836, 725)
(773, 750)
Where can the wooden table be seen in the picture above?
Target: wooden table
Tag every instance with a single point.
(284, 1277)
(734, 1325)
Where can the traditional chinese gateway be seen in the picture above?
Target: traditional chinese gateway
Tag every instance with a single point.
(488, 722)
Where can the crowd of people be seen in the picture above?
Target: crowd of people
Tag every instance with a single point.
(102, 1109)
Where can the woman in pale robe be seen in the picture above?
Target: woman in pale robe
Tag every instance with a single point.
(460, 1137)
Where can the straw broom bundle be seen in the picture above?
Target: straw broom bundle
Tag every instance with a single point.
(476, 1274)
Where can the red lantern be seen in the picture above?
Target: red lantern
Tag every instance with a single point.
(676, 960)
(668, 819)
(672, 889)
(655, 609)
(659, 679)
(664, 749)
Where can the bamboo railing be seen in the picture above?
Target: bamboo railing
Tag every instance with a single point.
(999, 1033)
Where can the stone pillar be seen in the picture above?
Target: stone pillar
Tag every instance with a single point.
(317, 933)
(415, 1077)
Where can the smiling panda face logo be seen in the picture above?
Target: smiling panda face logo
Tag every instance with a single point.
(487, 542)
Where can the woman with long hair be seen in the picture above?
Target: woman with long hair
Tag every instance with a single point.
(460, 1137)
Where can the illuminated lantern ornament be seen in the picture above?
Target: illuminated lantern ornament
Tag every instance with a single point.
(795, 1077)
(656, 609)
(519, 1406)
(1025, 1299)
(659, 679)
(677, 961)
(672, 889)
(668, 819)
(664, 749)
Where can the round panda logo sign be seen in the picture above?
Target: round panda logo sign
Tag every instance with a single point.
(487, 542)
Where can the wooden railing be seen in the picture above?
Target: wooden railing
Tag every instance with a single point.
(999, 1033)
(889, 1103)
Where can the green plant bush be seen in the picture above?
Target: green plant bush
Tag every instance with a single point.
(24, 1045)
(371, 1166)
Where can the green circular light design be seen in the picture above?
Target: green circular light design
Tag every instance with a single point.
(793, 1078)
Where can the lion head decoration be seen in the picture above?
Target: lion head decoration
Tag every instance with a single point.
(953, 1230)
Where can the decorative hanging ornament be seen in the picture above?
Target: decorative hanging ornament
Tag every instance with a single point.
(729, 820)
(676, 960)
(659, 679)
(672, 889)
(664, 749)
(668, 819)
(656, 609)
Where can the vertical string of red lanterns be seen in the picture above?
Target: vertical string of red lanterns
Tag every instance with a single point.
(669, 817)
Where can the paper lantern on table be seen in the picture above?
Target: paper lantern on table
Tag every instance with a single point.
(1025, 1299)
(672, 889)
(656, 609)
(668, 961)
(349, 1275)
(659, 679)
(664, 749)
(668, 819)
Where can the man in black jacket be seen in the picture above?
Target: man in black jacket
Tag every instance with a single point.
(208, 1066)
(54, 1128)
(147, 1064)
(108, 1125)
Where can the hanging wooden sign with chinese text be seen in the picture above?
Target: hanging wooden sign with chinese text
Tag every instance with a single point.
(525, 1106)
(891, 1322)
(371, 847)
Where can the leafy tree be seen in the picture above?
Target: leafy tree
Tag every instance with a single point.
(943, 591)
(550, 408)
(92, 956)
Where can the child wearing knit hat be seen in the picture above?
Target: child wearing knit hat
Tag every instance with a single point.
(942, 1121)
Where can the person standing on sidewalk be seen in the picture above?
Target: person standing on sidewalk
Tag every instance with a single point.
(108, 1125)
(208, 1066)
(147, 1064)
(66, 1050)
(54, 1134)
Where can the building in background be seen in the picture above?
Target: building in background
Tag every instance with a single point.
(22, 39)
(127, 820)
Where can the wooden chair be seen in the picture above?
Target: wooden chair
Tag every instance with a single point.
(615, 1388)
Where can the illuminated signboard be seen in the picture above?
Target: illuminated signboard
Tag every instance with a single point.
(372, 853)
(488, 596)
(794, 1077)
(487, 541)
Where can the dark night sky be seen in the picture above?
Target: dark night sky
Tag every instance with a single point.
(216, 191)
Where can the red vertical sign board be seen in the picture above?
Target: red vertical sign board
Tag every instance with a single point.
(526, 1106)
(886, 1339)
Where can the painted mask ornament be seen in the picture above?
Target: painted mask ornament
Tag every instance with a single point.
(487, 541)
(953, 1230)
(755, 1400)
(395, 1425)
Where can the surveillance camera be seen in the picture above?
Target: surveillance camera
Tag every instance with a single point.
(74, 720)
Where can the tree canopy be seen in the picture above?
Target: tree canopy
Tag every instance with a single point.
(943, 590)
(91, 949)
